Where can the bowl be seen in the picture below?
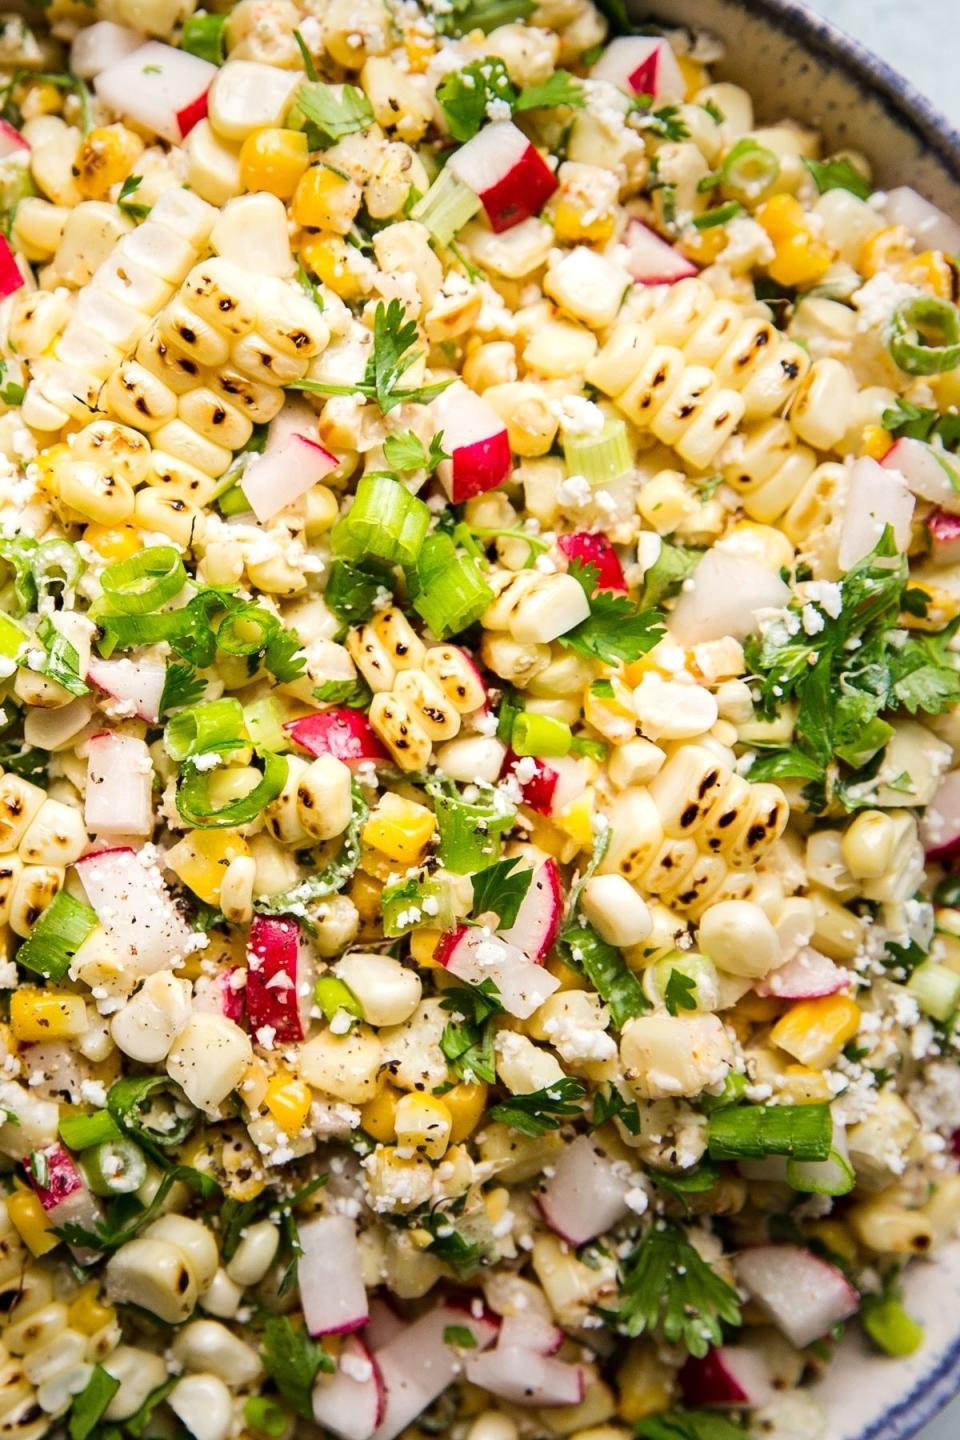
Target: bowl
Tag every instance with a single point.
(795, 63)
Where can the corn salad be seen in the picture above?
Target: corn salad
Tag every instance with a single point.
(479, 744)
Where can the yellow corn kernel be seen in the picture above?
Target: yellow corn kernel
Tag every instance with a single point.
(931, 271)
(326, 256)
(49, 466)
(87, 1312)
(704, 246)
(423, 1122)
(422, 945)
(575, 220)
(420, 49)
(200, 860)
(496, 1203)
(46, 1014)
(577, 820)
(942, 606)
(105, 158)
(836, 1237)
(466, 1102)
(379, 1115)
(815, 1031)
(875, 441)
(114, 542)
(802, 1086)
(694, 75)
(29, 1219)
(288, 1100)
(366, 893)
(274, 160)
(324, 200)
(40, 99)
(400, 829)
(644, 1383)
(800, 259)
(886, 249)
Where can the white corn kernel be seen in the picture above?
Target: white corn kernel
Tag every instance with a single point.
(252, 232)
(344, 1066)
(193, 1239)
(55, 836)
(139, 1372)
(202, 1402)
(669, 710)
(146, 1026)
(472, 758)
(154, 1275)
(615, 910)
(205, 1345)
(549, 611)
(667, 1056)
(739, 938)
(255, 1253)
(208, 1059)
(245, 97)
(388, 991)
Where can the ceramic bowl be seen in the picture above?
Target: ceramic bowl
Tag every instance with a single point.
(795, 63)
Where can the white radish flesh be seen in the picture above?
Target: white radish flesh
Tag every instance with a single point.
(940, 826)
(875, 499)
(101, 45)
(642, 65)
(651, 260)
(159, 87)
(134, 907)
(586, 1194)
(524, 1378)
(119, 794)
(284, 472)
(807, 976)
(930, 227)
(541, 911)
(804, 1296)
(508, 174)
(476, 440)
(929, 473)
(350, 1403)
(136, 685)
(728, 1376)
(332, 1292)
(723, 597)
(417, 1364)
(474, 955)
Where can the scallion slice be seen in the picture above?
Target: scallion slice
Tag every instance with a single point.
(936, 989)
(117, 1167)
(924, 336)
(540, 735)
(599, 458)
(12, 638)
(889, 1326)
(153, 1109)
(749, 1132)
(203, 36)
(748, 170)
(57, 936)
(452, 591)
(246, 631)
(143, 582)
(196, 807)
(720, 215)
(386, 523)
(212, 725)
(332, 995)
(469, 834)
(81, 1132)
(446, 207)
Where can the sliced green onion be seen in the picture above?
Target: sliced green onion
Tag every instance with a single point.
(469, 835)
(12, 638)
(386, 523)
(749, 1132)
(749, 170)
(266, 1416)
(56, 562)
(246, 631)
(485, 15)
(608, 972)
(446, 207)
(833, 1176)
(734, 1089)
(889, 1326)
(152, 1108)
(57, 936)
(233, 502)
(81, 1132)
(196, 807)
(262, 722)
(117, 1167)
(540, 735)
(718, 216)
(452, 590)
(202, 36)
(936, 990)
(924, 337)
(332, 995)
(599, 458)
(144, 582)
(127, 632)
(415, 902)
(212, 725)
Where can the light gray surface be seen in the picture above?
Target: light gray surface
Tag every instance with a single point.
(922, 39)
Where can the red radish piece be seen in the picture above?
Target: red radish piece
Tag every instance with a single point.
(119, 794)
(274, 975)
(803, 1295)
(383, 1324)
(284, 472)
(219, 995)
(530, 1331)
(807, 976)
(523, 1377)
(158, 87)
(642, 65)
(930, 473)
(728, 1376)
(587, 1193)
(474, 954)
(65, 1197)
(332, 1291)
(651, 260)
(595, 550)
(136, 685)
(930, 227)
(134, 907)
(11, 276)
(417, 1364)
(541, 910)
(940, 826)
(875, 498)
(476, 440)
(507, 173)
(944, 531)
(11, 140)
(726, 592)
(350, 1403)
(98, 46)
(537, 791)
(345, 734)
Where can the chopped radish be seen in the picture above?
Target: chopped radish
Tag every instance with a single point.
(159, 87)
(134, 907)
(136, 685)
(530, 1331)
(507, 173)
(642, 65)
(11, 276)
(11, 140)
(930, 227)
(651, 260)
(523, 1377)
(930, 473)
(332, 1291)
(96, 47)
(285, 471)
(875, 499)
(223, 994)
(275, 978)
(473, 954)
(944, 531)
(595, 550)
(119, 796)
(586, 1194)
(940, 826)
(345, 734)
(804, 1296)
(723, 597)
(807, 976)
(476, 440)
(383, 1324)
(541, 911)
(350, 1403)
(728, 1376)
(537, 790)
(417, 1364)
(66, 1197)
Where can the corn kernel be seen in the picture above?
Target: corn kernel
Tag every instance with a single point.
(106, 157)
(801, 259)
(931, 271)
(815, 1031)
(941, 607)
(420, 49)
(200, 860)
(704, 246)
(423, 1122)
(836, 1237)
(802, 1086)
(366, 893)
(644, 1382)
(87, 1312)
(886, 249)
(694, 75)
(325, 200)
(466, 1102)
(400, 829)
(326, 256)
(875, 441)
(577, 820)
(114, 542)
(423, 943)
(274, 160)
(288, 1101)
(575, 220)
(46, 1014)
(379, 1115)
(30, 1221)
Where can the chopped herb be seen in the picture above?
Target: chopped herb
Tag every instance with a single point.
(667, 573)
(666, 123)
(917, 422)
(680, 992)
(130, 207)
(88, 1408)
(333, 111)
(667, 1290)
(839, 175)
(460, 1336)
(467, 1039)
(406, 451)
(464, 95)
(462, 16)
(615, 630)
(293, 1361)
(542, 1110)
(393, 339)
(561, 88)
(689, 1425)
(500, 889)
(181, 687)
(353, 694)
(611, 1105)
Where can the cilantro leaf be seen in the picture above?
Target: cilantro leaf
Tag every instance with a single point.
(405, 452)
(109, 1236)
(133, 208)
(668, 1290)
(293, 1361)
(788, 764)
(609, 1105)
(604, 966)
(284, 656)
(924, 674)
(689, 1425)
(140, 1419)
(668, 572)
(464, 95)
(561, 88)
(467, 1039)
(542, 1110)
(839, 175)
(353, 694)
(460, 1336)
(182, 686)
(917, 422)
(615, 629)
(88, 1407)
(665, 122)
(333, 110)
(62, 663)
(351, 593)
(501, 888)
(391, 357)
(680, 992)
(462, 16)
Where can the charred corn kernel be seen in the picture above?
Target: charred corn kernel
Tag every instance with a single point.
(87, 1312)
(398, 637)
(466, 1102)
(379, 1116)
(885, 249)
(400, 829)
(105, 158)
(46, 1014)
(105, 499)
(888, 1228)
(201, 858)
(423, 1122)
(875, 441)
(423, 943)
(274, 160)
(836, 1237)
(327, 257)
(114, 542)
(395, 722)
(815, 1031)
(801, 258)
(326, 200)
(575, 219)
(288, 1100)
(31, 1223)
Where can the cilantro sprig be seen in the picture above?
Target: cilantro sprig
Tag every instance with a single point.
(689, 1425)
(470, 96)
(392, 354)
(501, 889)
(918, 422)
(406, 451)
(293, 1361)
(679, 993)
(542, 1110)
(668, 1290)
(467, 1039)
(332, 111)
(616, 629)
